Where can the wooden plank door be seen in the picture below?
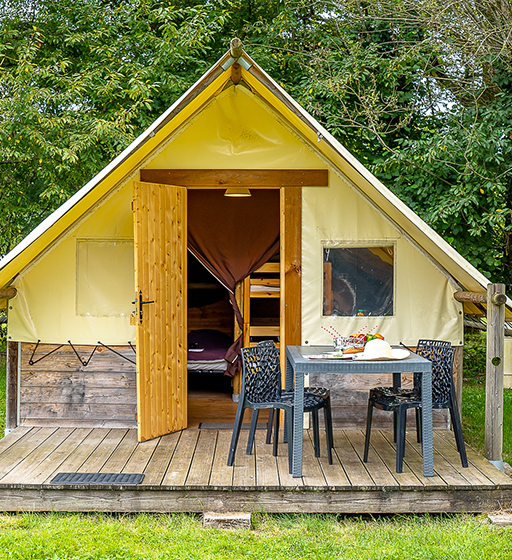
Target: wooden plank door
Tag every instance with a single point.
(160, 232)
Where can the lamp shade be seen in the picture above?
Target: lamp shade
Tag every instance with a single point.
(237, 191)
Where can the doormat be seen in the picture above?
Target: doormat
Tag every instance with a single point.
(228, 426)
(97, 478)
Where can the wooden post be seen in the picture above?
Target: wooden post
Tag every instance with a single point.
(11, 387)
(235, 47)
(8, 293)
(494, 374)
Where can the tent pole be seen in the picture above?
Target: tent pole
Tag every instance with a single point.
(494, 374)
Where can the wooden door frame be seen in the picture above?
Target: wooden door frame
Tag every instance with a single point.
(290, 183)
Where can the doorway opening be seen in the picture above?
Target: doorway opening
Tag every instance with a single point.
(226, 233)
(210, 326)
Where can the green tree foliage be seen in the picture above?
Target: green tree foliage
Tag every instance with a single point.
(420, 91)
(78, 80)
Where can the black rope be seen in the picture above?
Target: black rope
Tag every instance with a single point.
(83, 362)
(116, 352)
(31, 361)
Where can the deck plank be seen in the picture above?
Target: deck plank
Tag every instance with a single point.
(201, 467)
(45, 469)
(382, 443)
(244, 466)
(141, 456)
(222, 475)
(482, 464)
(334, 474)
(180, 463)
(312, 472)
(352, 464)
(286, 479)
(13, 437)
(267, 474)
(443, 470)
(10, 459)
(102, 453)
(375, 465)
(36, 457)
(450, 453)
(122, 453)
(80, 454)
(169, 460)
(159, 462)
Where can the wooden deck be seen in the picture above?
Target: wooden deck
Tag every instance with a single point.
(187, 472)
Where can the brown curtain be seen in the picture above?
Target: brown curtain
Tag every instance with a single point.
(233, 237)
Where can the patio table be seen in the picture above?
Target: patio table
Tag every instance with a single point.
(298, 364)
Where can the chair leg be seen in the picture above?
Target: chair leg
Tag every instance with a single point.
(252, 431)
(270, 424)
(400, 443)
(276, 431)
(369, 415)
(395, 425)
(328, 429)
(316, 432)
(457, 430)
(236, 432)
(418, 425)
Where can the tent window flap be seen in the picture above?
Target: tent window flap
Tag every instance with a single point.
(358, 281)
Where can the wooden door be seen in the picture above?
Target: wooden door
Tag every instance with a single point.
(160, 232)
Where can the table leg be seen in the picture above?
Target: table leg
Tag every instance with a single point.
(427, 424)
(298, 419)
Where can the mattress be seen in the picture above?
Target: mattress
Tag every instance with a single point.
(207, 365)
(206, 350)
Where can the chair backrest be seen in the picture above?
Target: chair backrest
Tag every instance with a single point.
(440, 353)
(261, 373)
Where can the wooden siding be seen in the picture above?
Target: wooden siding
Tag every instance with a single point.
(349, 397)
(187, 471)
(58, 390)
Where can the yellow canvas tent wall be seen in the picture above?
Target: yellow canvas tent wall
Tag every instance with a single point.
(74, 274)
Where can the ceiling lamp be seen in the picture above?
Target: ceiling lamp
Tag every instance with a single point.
(237, 191)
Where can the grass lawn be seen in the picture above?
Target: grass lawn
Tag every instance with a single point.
(134, 537)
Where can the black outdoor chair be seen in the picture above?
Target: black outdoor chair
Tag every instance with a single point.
(399, 400)
(261, 389)
(311, 404)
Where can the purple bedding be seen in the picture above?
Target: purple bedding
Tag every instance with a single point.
(214, 345)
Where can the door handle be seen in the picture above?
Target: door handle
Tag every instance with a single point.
(140, 302)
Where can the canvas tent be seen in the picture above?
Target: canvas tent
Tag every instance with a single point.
(110, 265)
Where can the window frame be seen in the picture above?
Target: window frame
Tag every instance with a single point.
(367, 244)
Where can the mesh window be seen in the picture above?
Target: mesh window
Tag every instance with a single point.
(358, 281)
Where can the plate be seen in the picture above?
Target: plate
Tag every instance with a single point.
(330, 356)
(398, 354)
